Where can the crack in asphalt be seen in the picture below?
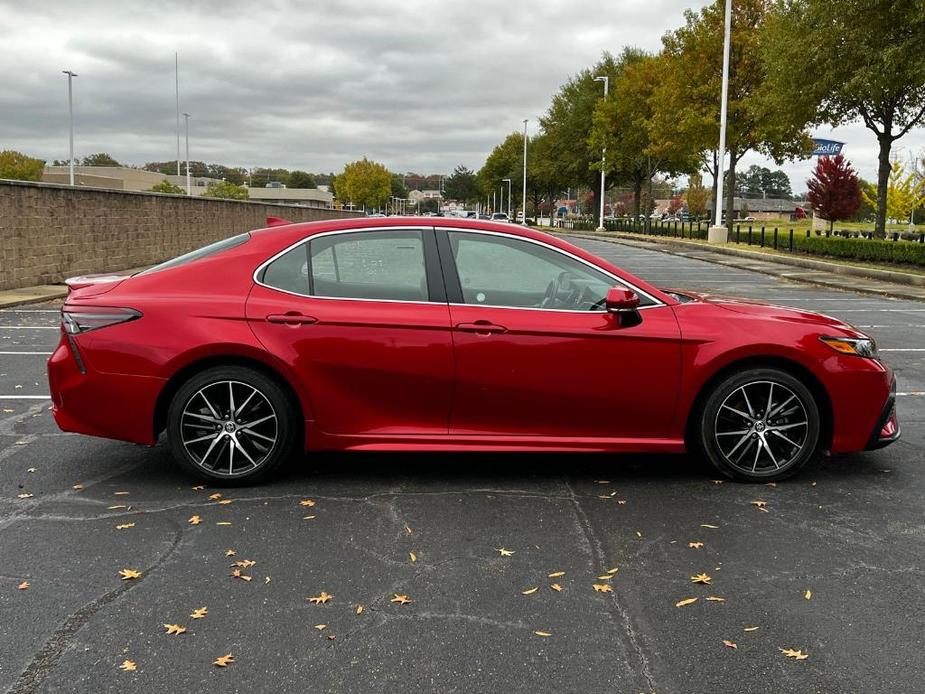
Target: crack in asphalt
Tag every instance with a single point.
(597, 553)
(61, 640)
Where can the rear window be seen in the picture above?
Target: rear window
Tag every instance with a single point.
(199, 253)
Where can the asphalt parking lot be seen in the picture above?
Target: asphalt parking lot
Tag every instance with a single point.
(834, 566)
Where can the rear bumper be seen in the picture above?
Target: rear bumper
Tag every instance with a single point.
(887, 429)
(85, 401)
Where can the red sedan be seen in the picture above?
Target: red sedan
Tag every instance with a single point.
(446, 334)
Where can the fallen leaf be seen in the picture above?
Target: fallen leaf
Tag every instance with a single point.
(408, 530)
(613, 570)
(125, 526)
(715, 598)
(556, 574)
(695, 545)
(717, 481)
(760, 503)
(795, 654)
(808, 594)
(621, 502)
(77, 487)
(223, 523)
(225, 502)
(128, 574)
(505, 552)
(638, 534)
(707, 525)
(237, 574)
(605, 577)
(199, 613)
(244, 563)
(308, 517)
(556, 587)
(701, 578)
(400, 599)
(175, 629)
(812, 484)
(751, 629)
(601, 481)
(195, 520)
(224, 660)
(603, 587)
(122, 493)
(215, 496)
(199, 487)
(24, 495)
(23, 586)
(230, 552)
(128, 666)
(307, 502)
(529, 591)
(266, 580)
(412, 556)
(772, 484)
(686, 601)
(542, 633)
(730, 644)
(321, 627)
(113, 508)
(359, 609)
(321, 599)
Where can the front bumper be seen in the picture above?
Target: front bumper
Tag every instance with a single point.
(887, 429)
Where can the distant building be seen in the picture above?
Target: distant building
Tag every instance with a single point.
(122, 178)
(418, 195)
(762, 209)
(305, 197)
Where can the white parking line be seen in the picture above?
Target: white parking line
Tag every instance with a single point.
(29, 310)
(25, 397)
(44, 354)
(912, 394)
(30, 327)
(903, 349)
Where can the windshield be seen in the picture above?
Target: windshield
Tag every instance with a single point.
(211, 249)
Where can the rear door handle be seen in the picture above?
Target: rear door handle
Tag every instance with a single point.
(293, 318)
(481, 327)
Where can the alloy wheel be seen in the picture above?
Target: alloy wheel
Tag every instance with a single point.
(761, 427)
(229, 428)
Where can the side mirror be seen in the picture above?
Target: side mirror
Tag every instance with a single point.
(621, 301)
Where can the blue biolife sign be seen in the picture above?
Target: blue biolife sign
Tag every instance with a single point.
(827, 148)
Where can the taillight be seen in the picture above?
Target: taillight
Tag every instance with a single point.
(76, 320)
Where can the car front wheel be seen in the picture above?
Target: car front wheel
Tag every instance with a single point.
(759, 425)
(231, 424)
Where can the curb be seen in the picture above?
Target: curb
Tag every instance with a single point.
(31, 295)
(898, 280)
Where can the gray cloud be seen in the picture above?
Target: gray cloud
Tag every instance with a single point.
(418, 85)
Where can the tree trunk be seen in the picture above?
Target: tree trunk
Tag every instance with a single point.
(637, 195)
(883, 180)
(731, 190)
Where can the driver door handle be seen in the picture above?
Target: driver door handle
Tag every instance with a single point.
(481, 327)
(293, 318)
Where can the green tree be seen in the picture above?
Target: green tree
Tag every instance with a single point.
(760, 181)
(398, 187)
(696, 196)
(226, 190)
(99, 159)
(364, 183)
(854, 59)
(19, 167)
(462, 185)
(301, 179)
(166, 186)
(688, 99)
(505, 161)
(905, 192)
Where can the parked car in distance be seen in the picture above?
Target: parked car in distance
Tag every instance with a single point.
(500, 217)
(440, 334)
(519, 217)
(748, 219)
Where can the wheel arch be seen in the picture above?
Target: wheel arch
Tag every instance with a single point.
(186, 372)
(794, 368)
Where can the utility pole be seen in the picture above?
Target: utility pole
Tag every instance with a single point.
(606, 80)
(176, 78)
(70, 113)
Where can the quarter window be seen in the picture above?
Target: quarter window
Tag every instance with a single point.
(289, 272)
(504, 271)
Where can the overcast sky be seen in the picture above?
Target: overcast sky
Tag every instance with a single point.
(419, 86)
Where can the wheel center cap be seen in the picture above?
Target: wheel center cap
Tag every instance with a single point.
(759, 426)
(229, 427)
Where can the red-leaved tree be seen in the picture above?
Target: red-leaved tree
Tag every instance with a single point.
(675, 205)
(834, 189)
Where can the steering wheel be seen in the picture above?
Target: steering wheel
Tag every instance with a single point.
(552, 290)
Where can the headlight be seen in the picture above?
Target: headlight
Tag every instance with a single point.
(858, 347)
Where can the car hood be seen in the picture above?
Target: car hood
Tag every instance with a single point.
(763, 309)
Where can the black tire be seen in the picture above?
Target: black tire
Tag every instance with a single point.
(254, 444)
(736, 435)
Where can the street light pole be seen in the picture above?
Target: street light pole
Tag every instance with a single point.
(606, 80)
(524, 203)
(70, 113)
(508, 181)
(718, 233)
(189, 189)
(176, 77)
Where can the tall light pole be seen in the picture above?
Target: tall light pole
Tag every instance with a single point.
(501, 198)
(525, 173)
(70, 114)
(176, 78)
(606, 80)
(718, 233)
(189, 188)
(508, 181)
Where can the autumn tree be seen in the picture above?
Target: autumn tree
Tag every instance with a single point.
(834, 189)
(696, 196)
(854, 60)
(688, 99)
(905, 192)
(365, 183)
(225, 190)
(19, 167)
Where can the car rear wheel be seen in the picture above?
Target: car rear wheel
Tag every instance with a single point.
(759, 425)
(231, 425)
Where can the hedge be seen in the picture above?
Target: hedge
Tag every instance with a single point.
(870, 250)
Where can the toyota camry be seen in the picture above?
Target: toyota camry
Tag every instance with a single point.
(450, 334)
